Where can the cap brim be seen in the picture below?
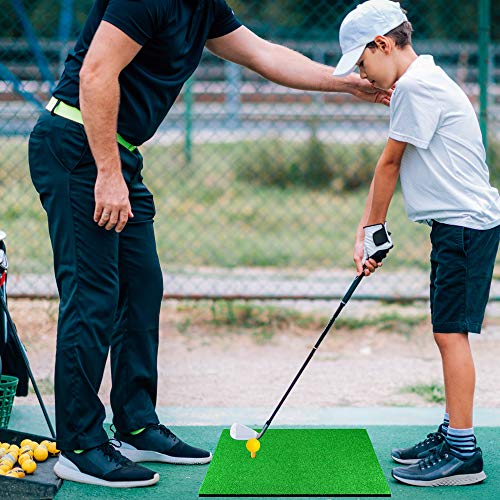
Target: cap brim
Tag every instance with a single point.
(348, 61)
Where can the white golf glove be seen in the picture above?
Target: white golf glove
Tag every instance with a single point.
(377, 242)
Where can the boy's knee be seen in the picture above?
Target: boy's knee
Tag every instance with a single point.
(446, 340)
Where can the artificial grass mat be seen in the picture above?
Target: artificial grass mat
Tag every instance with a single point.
(297, 463)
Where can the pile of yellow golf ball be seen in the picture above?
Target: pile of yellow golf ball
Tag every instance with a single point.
(16, 461)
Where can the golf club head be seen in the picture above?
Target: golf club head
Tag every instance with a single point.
(242, 432)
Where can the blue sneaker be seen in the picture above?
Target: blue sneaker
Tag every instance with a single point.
(443, 468)
(414, 454)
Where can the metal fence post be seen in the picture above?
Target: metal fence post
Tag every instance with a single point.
(188, 119)
(64, 30)
(484, 60)
(233, 79)
(32, 40)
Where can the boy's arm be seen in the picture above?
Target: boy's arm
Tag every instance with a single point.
(384, 181)
(378, 200)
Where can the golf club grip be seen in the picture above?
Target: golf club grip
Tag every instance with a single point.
(345, 299)
(354, 285)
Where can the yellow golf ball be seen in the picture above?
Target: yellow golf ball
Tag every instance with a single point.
(20, 473)
(24, 457)
(29, 466)
(41, 453)
(253, 446)
(52, 449)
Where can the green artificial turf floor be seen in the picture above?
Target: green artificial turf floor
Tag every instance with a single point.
(297, 462)
(182, 482)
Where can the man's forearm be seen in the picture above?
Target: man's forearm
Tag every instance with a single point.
(292, 69)
(99, 100)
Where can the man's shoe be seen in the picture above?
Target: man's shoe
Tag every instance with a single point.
(421, 450)
(158, 444)
(443, 468)
(103, 466)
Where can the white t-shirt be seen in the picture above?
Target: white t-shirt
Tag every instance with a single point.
(443, 173)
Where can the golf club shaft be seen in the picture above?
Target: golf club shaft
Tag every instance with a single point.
(343, 302)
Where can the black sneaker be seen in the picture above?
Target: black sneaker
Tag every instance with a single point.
(443, 468)
(421, 450)
(103, 466)
(158, 444)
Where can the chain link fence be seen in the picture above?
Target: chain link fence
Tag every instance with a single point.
(258, 188)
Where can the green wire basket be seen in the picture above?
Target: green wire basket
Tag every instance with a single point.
(8, 387)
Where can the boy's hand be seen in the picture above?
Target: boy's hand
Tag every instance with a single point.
(367, 267)
(377, 243)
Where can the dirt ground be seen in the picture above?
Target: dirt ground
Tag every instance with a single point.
(242, 355)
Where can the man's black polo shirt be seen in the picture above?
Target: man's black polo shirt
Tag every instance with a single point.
(172, 34)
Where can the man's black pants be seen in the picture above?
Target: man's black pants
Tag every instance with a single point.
(110, 287)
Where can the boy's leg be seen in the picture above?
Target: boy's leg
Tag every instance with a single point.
(459, 377)
(462, 266)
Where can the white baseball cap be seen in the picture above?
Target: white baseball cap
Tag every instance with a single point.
(361, 26)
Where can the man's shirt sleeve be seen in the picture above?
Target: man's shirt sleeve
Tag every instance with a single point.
(415, 114)
(139, 19)
(224, 22)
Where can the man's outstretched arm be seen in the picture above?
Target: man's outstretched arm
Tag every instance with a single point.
(287, 67)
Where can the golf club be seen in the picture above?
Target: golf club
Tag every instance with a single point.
(242, 432)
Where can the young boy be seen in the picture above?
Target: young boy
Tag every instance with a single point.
(435, 147)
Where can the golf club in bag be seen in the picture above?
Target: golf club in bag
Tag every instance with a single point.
(242, 432)
(13, 357)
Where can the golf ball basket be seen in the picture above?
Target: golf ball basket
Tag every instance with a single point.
(8, 386)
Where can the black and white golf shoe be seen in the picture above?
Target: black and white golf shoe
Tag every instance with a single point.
(413, 454)
(443, 468)
(158, 444)
(103, 466)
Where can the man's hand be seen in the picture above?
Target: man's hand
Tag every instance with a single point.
(377, 242)
(112, 204)
(364, 90)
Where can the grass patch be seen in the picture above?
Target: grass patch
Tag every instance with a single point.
(219, 210)
(45, 386)
(393, 322)
(432, 393)
(263, 321)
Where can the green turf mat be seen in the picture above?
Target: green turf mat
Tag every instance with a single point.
(298, 463)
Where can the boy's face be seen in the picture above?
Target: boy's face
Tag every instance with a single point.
(378, 65)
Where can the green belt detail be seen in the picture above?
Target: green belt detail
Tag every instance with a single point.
(64, 110)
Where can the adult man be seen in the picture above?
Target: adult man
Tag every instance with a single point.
(125, 72)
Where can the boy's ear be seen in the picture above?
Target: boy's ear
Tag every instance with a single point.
(383, 43)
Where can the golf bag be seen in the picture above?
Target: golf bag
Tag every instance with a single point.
(13, 357)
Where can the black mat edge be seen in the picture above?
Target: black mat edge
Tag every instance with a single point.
(298, 496)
